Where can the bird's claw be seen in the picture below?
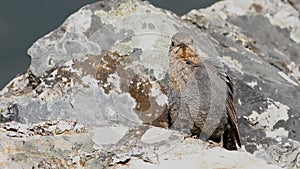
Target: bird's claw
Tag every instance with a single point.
(213, 144)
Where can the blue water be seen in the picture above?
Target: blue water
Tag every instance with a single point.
(22, 22)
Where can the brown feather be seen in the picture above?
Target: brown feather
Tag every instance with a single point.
(230, 110)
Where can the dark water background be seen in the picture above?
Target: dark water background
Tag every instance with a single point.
(22, 22)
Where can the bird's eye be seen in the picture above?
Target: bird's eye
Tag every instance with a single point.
(188, 62)
(172, 43)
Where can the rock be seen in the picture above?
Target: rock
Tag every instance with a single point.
(104, 71)
(138, 147)
(261, 47)
(295, 4)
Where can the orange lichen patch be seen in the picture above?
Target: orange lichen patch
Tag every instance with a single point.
(15, 90)
(88, 65)
(140, 89)
(8, 149)
(285, 66)
(126, 9)
(58, 161)
(26, 83)
(55, 163)
(147, 107)
(65, 76)
(160, 118)
(249, 45)
(84, 159)
(116, 53)
(107, 66)
(126, 75)
(256, 7)
(233, 49)
(156, 115)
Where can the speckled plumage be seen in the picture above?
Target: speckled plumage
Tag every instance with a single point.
(200, 95)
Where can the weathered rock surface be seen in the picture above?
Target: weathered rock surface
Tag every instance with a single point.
(259, 41)
(65, 144)
(97, 80)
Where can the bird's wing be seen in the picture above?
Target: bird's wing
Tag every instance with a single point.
(230, 109)
(217, 66)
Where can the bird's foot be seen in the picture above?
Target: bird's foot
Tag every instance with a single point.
(213, 144)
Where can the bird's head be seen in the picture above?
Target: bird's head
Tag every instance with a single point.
(183, 49)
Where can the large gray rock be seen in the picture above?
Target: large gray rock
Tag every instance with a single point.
(65, 144)
(105, 54)
(104, 69)
(259, 41)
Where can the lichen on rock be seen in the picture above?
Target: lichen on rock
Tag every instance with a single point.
(96, 86)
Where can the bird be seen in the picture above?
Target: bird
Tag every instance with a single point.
(200, 95)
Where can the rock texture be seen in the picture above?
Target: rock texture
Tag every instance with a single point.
(97, 83)
(65, 144)
(259, 41)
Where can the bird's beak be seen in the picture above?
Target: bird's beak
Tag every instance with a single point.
(182, 45)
